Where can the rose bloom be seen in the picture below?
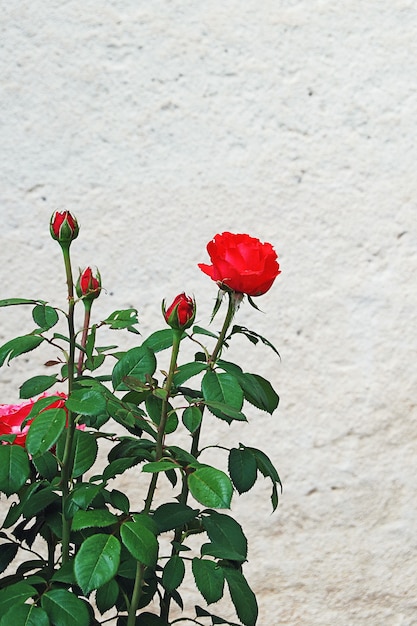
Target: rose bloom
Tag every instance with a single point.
(241, 263)
(181, 313)
(12, 416)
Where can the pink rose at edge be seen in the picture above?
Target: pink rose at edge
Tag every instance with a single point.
(13, 415)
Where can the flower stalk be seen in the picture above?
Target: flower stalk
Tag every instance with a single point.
(140, 569)
(166, 601)
(68, 458)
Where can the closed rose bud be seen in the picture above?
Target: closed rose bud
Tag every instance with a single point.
(64, 227)
(88, 286)
(180, 315)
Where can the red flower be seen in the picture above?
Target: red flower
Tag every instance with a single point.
(64, 227)
(13, 415)
(88, 286)
(241, 263)
(180, 315)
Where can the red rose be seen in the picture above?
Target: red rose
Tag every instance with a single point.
(88, 285)
(13, 415)
(64, 227)
(241, 263)
(180, 315)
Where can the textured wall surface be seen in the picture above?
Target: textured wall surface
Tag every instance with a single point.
(161, 123)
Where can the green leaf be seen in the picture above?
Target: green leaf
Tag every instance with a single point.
(264, 464)
(45, 430)
(18, 346)
(154, 407)
(65, 609)
(130, 417)
(242, 469)
(119, 466)
(15, 301)
(96, 562)
(198, 330)
(120, 501)
(259, 392)
(214, 618)
(173, 515)
(94, 362)
(191, 418)
(138, 362)
(39, 501)
(173, 574)
(242, 596)
(42, 404)
(25, 615)
(15, 594)
(159, 466)
(99, 518)
(124, 318)
(225, 412)
(132, 447)
(140, 541)
(65, 574)
(8, 552)
(46, 465)
(209, 579)
(44, 316)
(252, 336)
(183, 456)
(86, 402)
(230, 368)
(14, 468)
(107, 595)
(36, 385)
(85, 452)
(266, 468)
(187, 371)
(160, 340)
(222, 388)
(84, 494)
(226, 536)
(150, 619)
(274, 497)
(211, 487)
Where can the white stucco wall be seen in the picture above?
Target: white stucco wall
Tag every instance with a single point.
(161, 123)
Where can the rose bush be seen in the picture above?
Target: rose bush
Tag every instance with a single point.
(106, 555)
(241, 263)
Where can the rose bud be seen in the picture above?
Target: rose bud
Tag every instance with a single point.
(88, 287)
(241, 263)
(64, 227)
(180, 315)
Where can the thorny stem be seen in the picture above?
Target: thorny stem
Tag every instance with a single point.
(228, 319)
(68, 457)
(140, 569)
(165, 602)
(87, 315)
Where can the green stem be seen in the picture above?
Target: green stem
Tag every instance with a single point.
(165, 603)
(136, 594)
(140, 569)
(228, 319)
(87, 315)
(68, 457)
